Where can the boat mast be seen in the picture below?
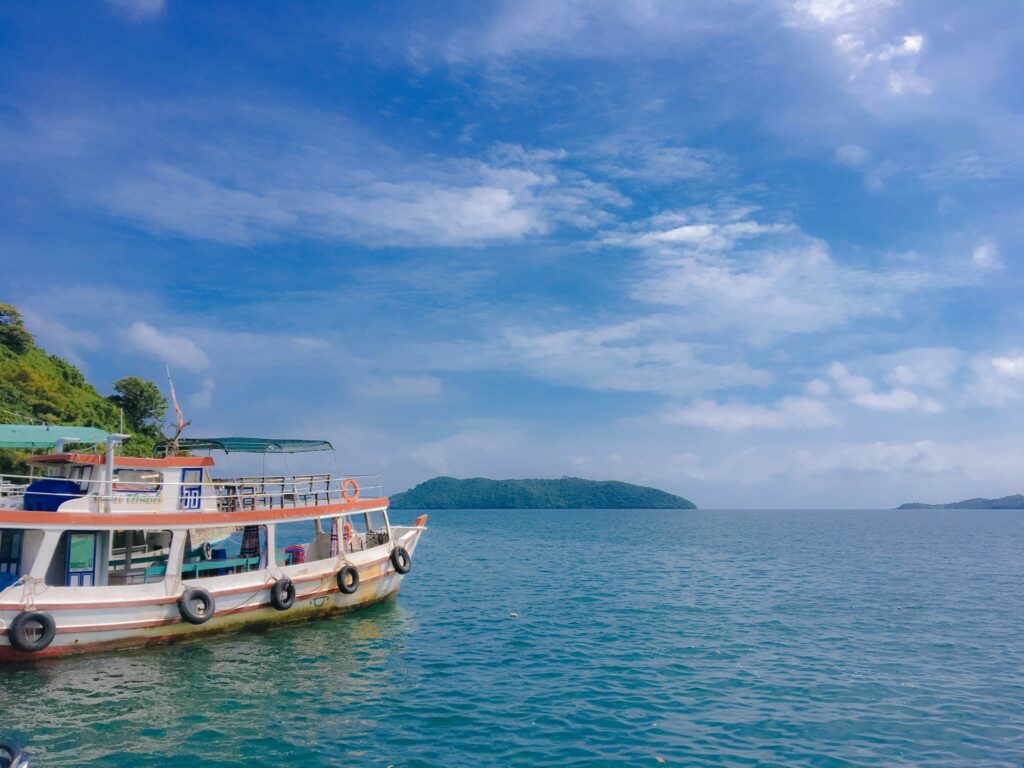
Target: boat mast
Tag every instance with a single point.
(180, 424)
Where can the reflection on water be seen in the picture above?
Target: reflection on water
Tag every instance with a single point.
(701, 638)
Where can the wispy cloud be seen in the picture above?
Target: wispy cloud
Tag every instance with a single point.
(512, 195)
(203, 398)
(726, 269)
(638, 356)
(861, 391)
(138, 10)
(398, 386)
(172, 349)
(998, 379)
(788, 413)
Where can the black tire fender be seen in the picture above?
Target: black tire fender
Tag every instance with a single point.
(282, 594)
(348, 579)
(21, 632)
(401, 560)
(196, 605)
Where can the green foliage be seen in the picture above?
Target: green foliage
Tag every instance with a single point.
(567, 493)
(144, 407)
(13, 333)
(41, 387)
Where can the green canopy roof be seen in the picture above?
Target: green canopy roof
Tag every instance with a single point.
(246, 445)
(45, 436)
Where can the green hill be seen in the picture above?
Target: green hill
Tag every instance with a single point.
(1006, 502)
(39, 387)
(567, 493)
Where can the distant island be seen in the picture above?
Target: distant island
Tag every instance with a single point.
(566, 493)
(1007, 502)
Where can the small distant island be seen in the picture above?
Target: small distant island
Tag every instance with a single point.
(1007, 502)
(566, 493)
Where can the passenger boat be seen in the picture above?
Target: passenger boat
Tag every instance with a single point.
(99, 550)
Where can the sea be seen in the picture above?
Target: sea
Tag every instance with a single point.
(594, 638)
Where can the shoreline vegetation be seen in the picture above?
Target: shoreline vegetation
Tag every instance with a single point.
(563, 493)
(1006, 502)
(37, 387)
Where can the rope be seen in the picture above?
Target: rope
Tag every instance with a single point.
(31, 419)
(30, 583)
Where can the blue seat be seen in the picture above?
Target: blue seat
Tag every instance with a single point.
(6, 579)
(48, 493)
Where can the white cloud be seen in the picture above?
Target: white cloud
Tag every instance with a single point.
(204, 397)
(818, 388)
(923, 457)
(858, 31)
(638, 356)
(998, 380)
(898, 400)
(138, 10)
(468, 452)
(514, 194)
(861, 391)
(986, 255)
(636, 157)
(787, 413)
(722, 268)
(398, 386)
(930, 367)
(849, 12)
(579, 28)
(852, 156)
(173, 350)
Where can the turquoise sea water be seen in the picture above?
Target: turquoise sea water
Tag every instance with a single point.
(697, 637)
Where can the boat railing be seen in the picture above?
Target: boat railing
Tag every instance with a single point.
(13, 485)
(231, 494)
(279, 492)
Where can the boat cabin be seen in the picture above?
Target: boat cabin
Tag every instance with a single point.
(98, 519)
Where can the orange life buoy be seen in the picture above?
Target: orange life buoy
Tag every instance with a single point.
(349, 489)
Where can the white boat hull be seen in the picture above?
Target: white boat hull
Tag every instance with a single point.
(123, 617)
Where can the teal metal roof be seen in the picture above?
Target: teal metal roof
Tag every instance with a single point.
(46, 436)
(246, 445)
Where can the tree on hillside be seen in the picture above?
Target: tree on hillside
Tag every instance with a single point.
(144, 407)
(13, 333)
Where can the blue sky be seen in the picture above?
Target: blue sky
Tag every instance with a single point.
(757, 253)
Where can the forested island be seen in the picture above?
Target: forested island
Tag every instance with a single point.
(1006, 502)
(565, 493)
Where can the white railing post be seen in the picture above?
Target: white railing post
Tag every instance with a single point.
(108, 499)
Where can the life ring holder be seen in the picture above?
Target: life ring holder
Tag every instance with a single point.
(349, 489)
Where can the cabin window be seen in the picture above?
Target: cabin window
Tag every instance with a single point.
(10, 556)
(137, 480)
(81, 474)
(138, 557)
(354, 529)
(378, 533)
(307, 541)
(223, 551)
